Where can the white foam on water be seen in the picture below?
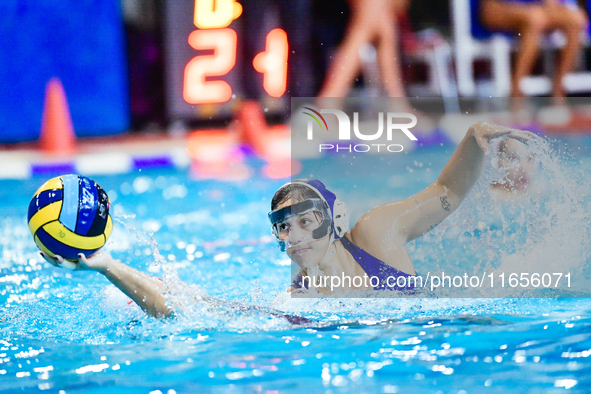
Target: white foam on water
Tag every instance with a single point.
(545, 231)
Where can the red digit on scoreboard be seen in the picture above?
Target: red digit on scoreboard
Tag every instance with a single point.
(273, 63)
(196, 90)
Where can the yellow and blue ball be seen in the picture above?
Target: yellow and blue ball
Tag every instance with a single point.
(68, 215)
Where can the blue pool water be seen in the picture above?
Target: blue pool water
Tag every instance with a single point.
(71, 332)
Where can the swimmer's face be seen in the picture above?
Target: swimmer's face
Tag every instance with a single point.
(296, 232)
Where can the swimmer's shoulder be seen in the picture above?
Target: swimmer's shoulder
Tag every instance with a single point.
(361, 233)
(373, 229)
(394, 256)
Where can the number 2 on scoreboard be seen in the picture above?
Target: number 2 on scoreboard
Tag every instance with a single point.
(198, 90)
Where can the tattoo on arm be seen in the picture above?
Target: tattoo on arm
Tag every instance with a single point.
(444, 204)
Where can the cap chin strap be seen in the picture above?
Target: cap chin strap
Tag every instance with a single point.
(331, 241)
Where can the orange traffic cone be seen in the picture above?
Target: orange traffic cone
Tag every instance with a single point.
(57, 134)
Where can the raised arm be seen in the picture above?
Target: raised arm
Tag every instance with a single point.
(458, 176)
(398, 222)
(144, 290)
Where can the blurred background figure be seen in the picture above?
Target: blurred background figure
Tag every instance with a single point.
(371, 22)
(520, 168)
(530, 19)
(145, 57)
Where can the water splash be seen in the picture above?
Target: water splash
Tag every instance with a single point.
(196, 309)
(531, 233)
(545, 230)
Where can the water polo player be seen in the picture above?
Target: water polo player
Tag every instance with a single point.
(311, 224)
(314, 236)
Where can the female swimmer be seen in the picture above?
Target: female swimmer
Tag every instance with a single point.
(310, 224)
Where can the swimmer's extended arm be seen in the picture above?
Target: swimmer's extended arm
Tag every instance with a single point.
(144, 290)
(393, 224)
(458, 176)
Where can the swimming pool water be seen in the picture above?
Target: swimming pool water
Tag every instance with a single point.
(71, 332)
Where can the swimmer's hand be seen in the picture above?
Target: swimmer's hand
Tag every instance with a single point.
(141, 288)
(484, 132)
(97, 262)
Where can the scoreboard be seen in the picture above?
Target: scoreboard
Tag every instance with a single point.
(205, 67)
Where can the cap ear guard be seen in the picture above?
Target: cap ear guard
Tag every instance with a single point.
(340, 218)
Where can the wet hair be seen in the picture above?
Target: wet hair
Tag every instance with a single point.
(296, 192)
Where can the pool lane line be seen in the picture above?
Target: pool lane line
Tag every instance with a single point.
(92, 164)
